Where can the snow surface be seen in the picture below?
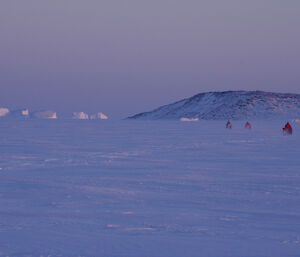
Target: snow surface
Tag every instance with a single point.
(238, 105)
(133, 188)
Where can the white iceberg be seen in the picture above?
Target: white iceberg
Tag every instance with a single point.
(4, 112)
(45, 115)
(25, 112)
(21, 113)
(80, 115)
(99, 115)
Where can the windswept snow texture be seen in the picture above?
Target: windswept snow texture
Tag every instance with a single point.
(153, 189)
(236, 105)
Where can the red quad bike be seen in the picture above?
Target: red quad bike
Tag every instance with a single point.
(287, 130)
(248, 125)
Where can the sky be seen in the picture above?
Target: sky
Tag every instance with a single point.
(124, 57)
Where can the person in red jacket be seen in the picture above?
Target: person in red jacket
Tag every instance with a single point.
(248, 125)
(288, 129)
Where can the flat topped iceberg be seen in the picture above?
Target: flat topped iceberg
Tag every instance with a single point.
(45, 115)
(4, 112)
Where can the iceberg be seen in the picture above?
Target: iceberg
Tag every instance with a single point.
(21, 113)
(99, 115)
(80, 116)
(45, 115)
(4, 112)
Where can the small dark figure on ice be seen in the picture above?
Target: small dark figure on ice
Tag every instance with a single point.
(288, 129)
(228, 125)
(248, 125)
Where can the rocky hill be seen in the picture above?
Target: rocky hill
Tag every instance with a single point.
(229, 105)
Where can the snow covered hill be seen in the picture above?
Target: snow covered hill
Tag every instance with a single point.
(229, 105)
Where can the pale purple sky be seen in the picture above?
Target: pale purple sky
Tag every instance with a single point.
(122, 57)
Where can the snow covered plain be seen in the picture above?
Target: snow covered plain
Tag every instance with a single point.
(148, 189)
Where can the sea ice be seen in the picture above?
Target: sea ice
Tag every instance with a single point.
(157, 189)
